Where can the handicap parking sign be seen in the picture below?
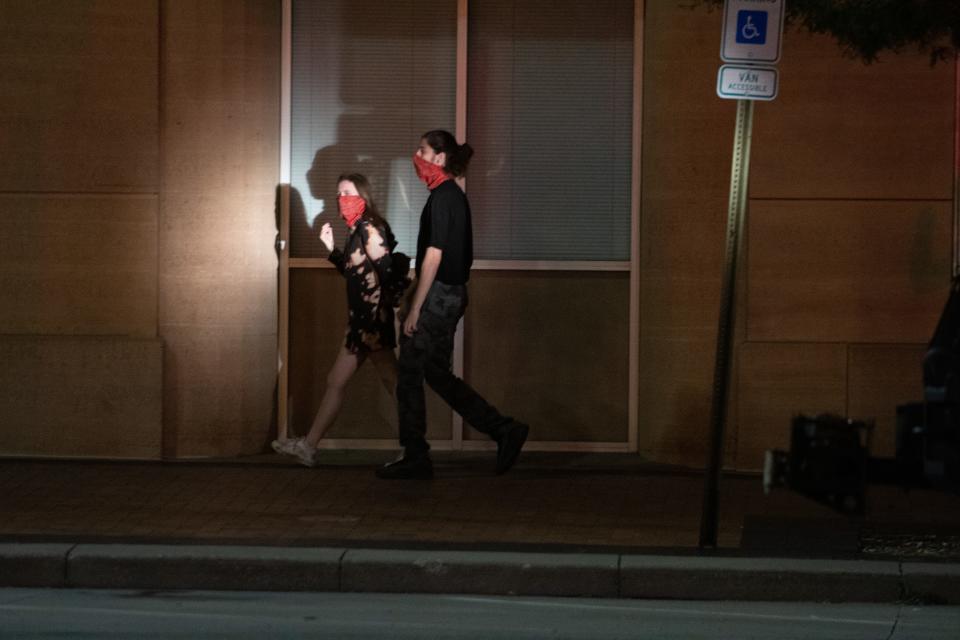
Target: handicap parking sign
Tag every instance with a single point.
(751, 31)
(752, 27)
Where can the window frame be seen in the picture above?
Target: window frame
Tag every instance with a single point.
(286, 262)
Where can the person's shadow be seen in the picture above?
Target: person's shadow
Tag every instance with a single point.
(350, 154)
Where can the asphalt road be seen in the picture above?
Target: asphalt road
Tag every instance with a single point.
(78, 613)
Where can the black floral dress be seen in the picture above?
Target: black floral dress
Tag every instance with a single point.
(364, 259)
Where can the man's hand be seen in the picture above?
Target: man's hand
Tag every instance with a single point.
(428, 271)
(410, 324)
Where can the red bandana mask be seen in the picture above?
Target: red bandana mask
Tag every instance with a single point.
(351, 208)
(432, 175)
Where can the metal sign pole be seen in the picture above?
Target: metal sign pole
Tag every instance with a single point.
(956, 169)
(736, 213)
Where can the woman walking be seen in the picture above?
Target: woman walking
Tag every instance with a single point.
(366, 264)
(444, 258)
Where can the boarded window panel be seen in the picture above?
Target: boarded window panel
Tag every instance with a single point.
(565, 374)
(368, 78)
(550, 114)
(317, 324)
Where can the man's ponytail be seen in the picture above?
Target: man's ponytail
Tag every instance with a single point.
(458, 155)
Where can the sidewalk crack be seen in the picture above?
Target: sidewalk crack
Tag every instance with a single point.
(66, 564)
(340, 571)
(619, 575)
(896, 621)
(904, 588)
(903, 597)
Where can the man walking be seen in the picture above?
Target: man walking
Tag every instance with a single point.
(444, 258)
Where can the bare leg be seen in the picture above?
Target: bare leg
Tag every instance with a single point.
(340, 373)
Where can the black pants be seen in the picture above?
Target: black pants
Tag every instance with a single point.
(427, 356)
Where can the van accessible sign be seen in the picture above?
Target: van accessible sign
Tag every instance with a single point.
(741, 82)
(751, 31)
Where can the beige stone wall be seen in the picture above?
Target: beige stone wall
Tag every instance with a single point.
(79, 178)
(69, 396)
(140, 159)
(847, 243)
(217, 264)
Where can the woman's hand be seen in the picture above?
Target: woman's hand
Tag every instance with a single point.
(326, 236)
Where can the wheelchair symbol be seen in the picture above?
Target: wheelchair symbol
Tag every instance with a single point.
(751, 27)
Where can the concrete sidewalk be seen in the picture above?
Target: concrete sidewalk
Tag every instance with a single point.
(177, 567)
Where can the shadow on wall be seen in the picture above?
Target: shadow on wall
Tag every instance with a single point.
(351, 154)
(927, 264)
(694, 408)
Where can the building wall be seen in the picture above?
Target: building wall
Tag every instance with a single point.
(848, 239)
(137, 195)
(219, 134)
(79, 200)
(137, 271)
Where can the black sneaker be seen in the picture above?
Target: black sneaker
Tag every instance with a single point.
(407, 467)
(509, 445)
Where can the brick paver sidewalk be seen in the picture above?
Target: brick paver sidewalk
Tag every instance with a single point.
(549, 499)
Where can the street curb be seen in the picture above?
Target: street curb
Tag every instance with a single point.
(934, 583)
(203, 567)
(770, 579)
(33, 565)
(266, 568)
(487, 573)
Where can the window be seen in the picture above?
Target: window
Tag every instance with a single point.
(549, 114)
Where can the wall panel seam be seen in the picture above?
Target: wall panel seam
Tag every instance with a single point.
(864, 199)
(168, 441)
(834, 343)
(145, 195)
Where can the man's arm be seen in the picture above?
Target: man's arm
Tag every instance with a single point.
(428, 272)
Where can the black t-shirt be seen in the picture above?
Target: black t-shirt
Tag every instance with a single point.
(445, 224)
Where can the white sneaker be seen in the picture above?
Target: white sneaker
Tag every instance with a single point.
(298, 448)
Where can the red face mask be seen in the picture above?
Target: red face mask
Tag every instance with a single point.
(432, 175)
(351, 208)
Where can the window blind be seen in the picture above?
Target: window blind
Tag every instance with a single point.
(550, 86)
(368, 77)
